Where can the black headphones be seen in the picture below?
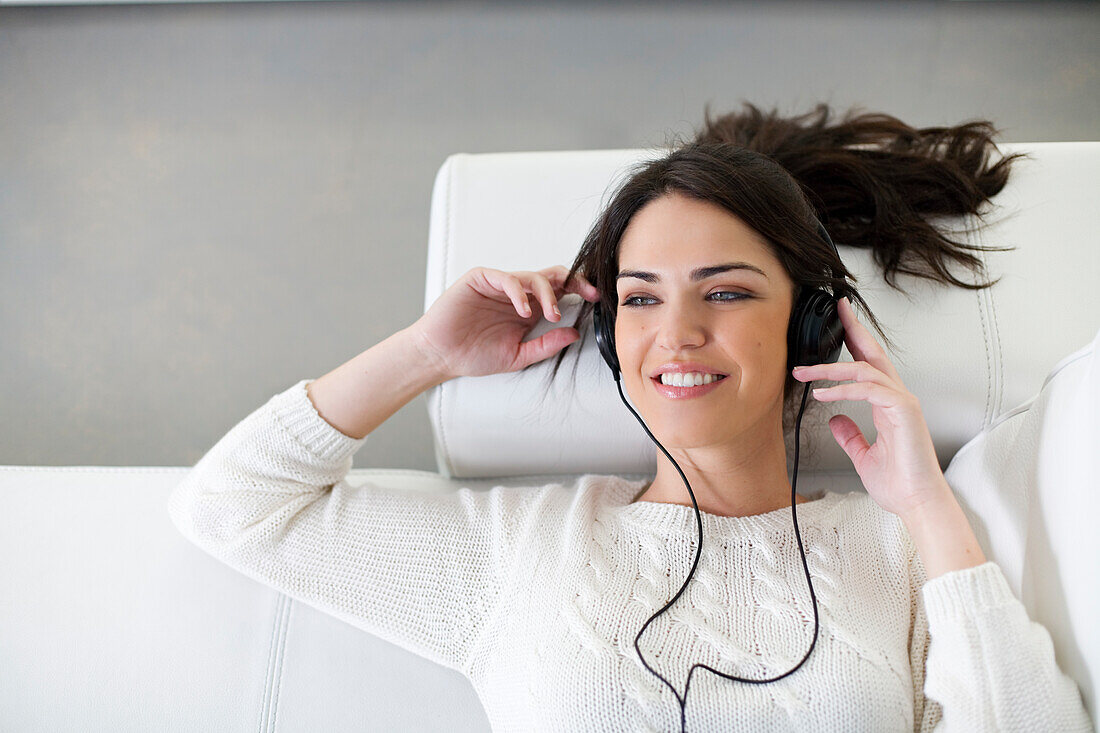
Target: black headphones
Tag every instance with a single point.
(814, 336)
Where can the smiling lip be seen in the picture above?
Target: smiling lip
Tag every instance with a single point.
(684, 393)
(685, 366)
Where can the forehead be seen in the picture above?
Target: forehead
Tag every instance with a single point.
(676, 233)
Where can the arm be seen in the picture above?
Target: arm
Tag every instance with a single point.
(422, 570)
(988, 665)
(363, 393)
(474, 328)
(979, 663)
(942, 534)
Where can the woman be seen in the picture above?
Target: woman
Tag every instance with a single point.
(537, 594)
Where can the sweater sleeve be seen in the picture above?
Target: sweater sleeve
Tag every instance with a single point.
(420, 569)
(980, 664)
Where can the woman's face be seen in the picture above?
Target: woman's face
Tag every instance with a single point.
(731, 322)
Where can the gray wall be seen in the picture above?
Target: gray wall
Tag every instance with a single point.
(202, 204)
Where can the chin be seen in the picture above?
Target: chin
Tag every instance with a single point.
(686, 433)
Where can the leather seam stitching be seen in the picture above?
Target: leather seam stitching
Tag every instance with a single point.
(273, 676)
(987, 344)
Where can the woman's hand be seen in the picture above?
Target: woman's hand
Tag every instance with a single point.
(900, 471)
(477, 325)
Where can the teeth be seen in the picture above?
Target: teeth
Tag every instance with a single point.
(690, 379)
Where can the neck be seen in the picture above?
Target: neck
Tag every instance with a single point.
(729, 482)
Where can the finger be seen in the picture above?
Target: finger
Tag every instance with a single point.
(538, 284)
(579, 284)
(876, 394)
(511, 286)
(849, 437)
(860, 371)
(861, 342)
(584, 288)
(545, 346)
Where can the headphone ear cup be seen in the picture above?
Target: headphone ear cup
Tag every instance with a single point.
(815, 334)
(605, 338)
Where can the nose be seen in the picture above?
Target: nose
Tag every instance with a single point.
(681, 327)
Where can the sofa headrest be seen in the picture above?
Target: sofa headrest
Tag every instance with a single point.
(967, 355)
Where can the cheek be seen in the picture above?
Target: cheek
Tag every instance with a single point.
(762, 355)
(633, 354)
(633, 350)
(630, 340)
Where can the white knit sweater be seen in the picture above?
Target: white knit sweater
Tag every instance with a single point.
(536, 594)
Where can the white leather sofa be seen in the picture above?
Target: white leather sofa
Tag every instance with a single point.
(111, 621)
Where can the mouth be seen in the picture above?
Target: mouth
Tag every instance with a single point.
(679, 393)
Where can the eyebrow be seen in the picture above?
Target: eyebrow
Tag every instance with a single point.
(701, 273)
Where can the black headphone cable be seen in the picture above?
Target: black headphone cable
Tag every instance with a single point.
(698, 552)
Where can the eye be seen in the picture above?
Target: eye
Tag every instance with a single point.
(632, 301)
(737, 296)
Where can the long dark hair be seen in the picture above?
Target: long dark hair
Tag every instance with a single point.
(869, 178)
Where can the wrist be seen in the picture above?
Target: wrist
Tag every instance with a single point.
(942, 534)
(935, 502)
(434, 366)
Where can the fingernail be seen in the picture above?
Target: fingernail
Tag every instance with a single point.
(557, 312)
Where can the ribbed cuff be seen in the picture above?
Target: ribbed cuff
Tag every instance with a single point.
(296, 413)
(966, 592)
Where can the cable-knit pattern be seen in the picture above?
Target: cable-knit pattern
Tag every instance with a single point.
(537, 593)
(747, 610)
